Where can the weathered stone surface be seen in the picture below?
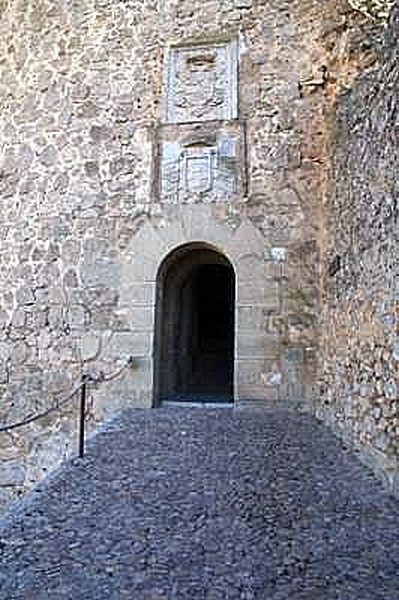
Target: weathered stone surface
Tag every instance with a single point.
(90, 96)
(359, 362)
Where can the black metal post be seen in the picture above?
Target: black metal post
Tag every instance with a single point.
(82, 417)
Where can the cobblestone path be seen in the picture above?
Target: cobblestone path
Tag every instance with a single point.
(187, 504)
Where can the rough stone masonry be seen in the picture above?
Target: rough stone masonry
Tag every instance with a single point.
(131, 130)
(359, 332)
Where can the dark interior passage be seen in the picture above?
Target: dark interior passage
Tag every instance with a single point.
(195, 327)
(212, 340)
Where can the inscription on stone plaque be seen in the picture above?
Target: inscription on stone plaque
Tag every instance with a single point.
(202, 83)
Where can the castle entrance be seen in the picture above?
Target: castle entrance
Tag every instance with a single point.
(194, 340)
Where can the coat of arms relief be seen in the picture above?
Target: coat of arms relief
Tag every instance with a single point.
(200, 142)
(202, 83)
(200, 170)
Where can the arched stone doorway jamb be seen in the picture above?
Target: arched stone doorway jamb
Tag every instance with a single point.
(244, 247)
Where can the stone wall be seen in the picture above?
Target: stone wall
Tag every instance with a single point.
(360, 346)
(113, 155)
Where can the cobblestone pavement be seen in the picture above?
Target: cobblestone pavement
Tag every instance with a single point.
(194, 503)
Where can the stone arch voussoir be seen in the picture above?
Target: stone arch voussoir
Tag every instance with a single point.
(244, 247)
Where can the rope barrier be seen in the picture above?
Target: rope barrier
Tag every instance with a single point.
(102, 377)
(85, 378)
(43, 414)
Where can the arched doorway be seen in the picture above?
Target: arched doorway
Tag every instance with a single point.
(194, 333)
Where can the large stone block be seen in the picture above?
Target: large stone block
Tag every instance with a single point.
(125, 344)
(141, 318)
(257, 380)
(257, 345)
(25, 296)
(101, 272)
(138, 294)
(251, 268)
(252, 318)
(262, 293)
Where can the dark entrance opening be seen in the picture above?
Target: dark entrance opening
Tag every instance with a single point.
(194, 337)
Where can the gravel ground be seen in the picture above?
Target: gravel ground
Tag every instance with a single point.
(194, 503)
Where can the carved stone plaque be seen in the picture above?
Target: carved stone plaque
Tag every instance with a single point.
(199, 168)
(202, 83)
(202, 165)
